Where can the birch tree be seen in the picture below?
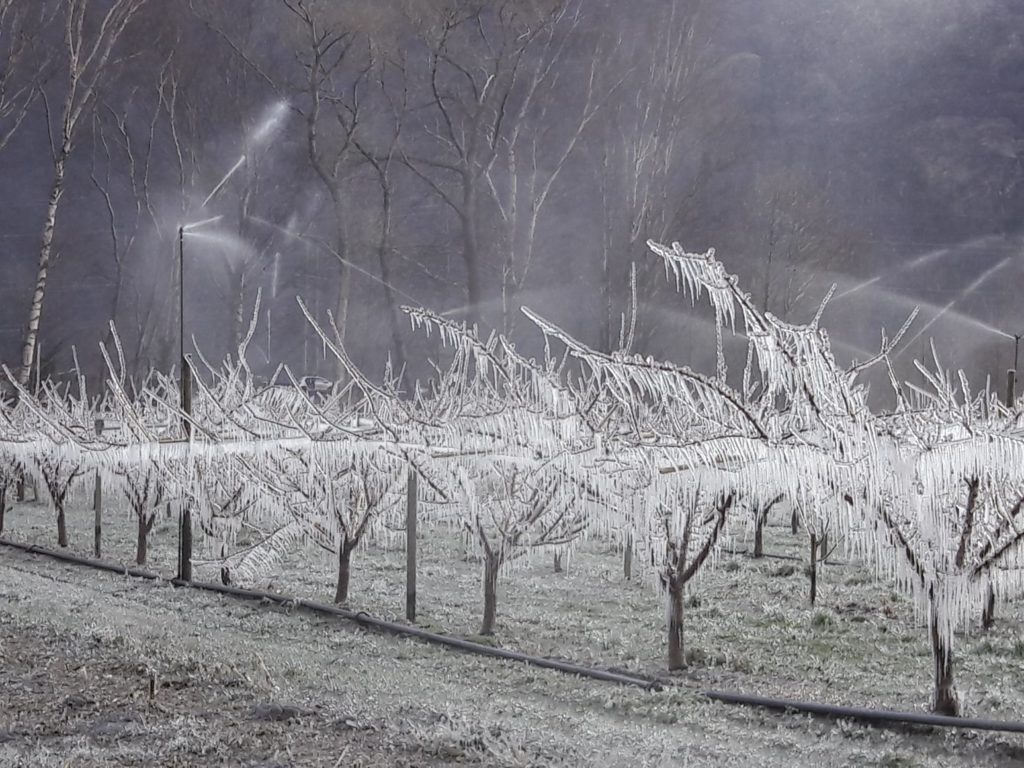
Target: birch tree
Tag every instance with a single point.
(92, 32)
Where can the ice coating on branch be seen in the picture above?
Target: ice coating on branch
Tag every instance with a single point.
(528, 457)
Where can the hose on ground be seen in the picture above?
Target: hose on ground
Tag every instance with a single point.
(869, 716)
(359, 617)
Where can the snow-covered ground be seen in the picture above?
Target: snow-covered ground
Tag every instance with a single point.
(749, 629)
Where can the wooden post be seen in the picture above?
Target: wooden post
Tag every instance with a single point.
(410, 547)
(97, 504)
(627, 558)
(814, 568)
(1011, 386)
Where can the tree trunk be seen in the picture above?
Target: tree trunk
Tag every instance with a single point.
(383, 249)
(344, 571)
(21, 489)
(944, 700)
(142, 540)
(28, 350)
(558, 562)
(62, 528)
(676, 658)
(471, 248)
(814, 568)
(491, 566)
(823, 547)
(627, 559)
(988, 613)
(225, 572)
(3, 505)
(759, 536)
(794, 521)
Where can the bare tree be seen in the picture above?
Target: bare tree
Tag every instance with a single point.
(337, 63)
(58, 474)
(795, 235)
(382, 161)
(113, 146)
(673, 131)
(21, 63)
(761, 510)
(690, 536)
(145, 495)
(487, 66)
(90, 37)
(514, 510)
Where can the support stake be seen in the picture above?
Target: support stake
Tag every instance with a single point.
(97, 504)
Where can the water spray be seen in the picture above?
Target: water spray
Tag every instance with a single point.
(963, 294)
(924, 258)
(196, 224)
(366, 273)
(224, 181)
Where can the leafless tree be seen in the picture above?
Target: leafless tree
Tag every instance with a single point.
(487, 68)
(672, 132)
(145, 495)
(58, 475)
(91, 34)
(21, 62)
(337, 62)
(690, 535)
(795, 235)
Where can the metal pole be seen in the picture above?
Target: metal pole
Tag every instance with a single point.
(410, 547)
(185, 518)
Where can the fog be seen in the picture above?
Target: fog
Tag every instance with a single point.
(476, 157)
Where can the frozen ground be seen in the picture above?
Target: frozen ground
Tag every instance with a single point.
(80, 650)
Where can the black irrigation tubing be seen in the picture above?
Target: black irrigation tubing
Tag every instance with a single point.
(794, 558)
(872, 716)
(359, 617)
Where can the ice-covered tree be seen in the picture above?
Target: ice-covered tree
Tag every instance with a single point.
(794, 424)
(949, 524)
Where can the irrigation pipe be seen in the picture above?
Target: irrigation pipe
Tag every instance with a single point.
(771, 555)
(872, 716)
(866, 715)
(359, 617)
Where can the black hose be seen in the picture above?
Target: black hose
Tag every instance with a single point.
(796, 558)
(873, 716)
(102, 565)
(866, 715)
(359, 617)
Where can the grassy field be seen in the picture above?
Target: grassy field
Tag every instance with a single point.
(749, 628)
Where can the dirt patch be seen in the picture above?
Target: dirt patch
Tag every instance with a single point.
(65, 698)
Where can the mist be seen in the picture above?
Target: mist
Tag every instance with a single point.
(474, 158)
